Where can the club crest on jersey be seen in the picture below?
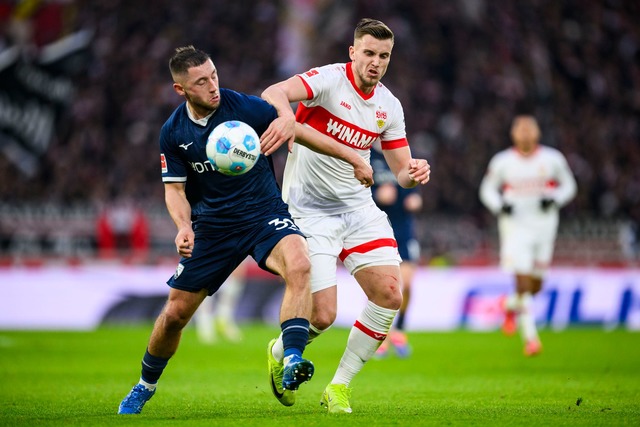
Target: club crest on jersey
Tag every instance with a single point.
(381, 117)
(179, 270)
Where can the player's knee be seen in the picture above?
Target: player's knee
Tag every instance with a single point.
(389, 297)
(174, 320)
(298, 267)
(323, 319)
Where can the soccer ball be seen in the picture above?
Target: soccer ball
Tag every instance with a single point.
(233, 148)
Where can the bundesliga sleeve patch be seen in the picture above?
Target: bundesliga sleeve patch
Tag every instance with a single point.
(163, 163)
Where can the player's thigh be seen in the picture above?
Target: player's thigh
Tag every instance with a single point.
(369, 240)
(289, 256)
(324, 237)
(517, 247)
(275, 241)
(543, 255)
(214, 257)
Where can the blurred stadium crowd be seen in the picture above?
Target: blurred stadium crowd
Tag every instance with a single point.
(461, 68)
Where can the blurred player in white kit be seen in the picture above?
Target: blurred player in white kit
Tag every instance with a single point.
(525, 186)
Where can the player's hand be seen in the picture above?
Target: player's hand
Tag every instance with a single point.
(386, 194)
(506, 209)
(419, 171)
(363, 172)
(281, 130)
(546, 203)
(184, 242)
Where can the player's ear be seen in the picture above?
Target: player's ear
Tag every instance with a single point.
(178, 88)
(352, 51)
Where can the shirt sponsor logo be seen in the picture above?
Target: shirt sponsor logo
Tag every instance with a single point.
(202, 167)
(349, 135)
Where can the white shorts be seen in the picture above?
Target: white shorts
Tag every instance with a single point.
(526, 250)
(362, 238)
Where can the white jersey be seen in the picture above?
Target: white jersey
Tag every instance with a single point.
(316, 184)
(522, 181)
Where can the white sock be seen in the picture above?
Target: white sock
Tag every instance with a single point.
(526, 318)
(512, 302)
(314, 333)
(228, 298)
(367, 334)
(203, 319)
(278, 349)
(147, 385)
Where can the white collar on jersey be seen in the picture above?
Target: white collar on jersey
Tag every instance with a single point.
(203, 121)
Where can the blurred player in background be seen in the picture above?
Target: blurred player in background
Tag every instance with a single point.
(525, 186)
(216, 316)
(338, 216)
(223, 219)
(400, 205)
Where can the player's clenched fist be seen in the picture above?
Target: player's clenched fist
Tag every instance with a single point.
(419, 170)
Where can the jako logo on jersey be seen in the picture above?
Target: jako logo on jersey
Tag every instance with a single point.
(345, 105)
(350, 136)
(163, 163)
(202, 167)
(179, 270)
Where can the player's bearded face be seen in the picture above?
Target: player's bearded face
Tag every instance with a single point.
(202, 88)
(370, 58)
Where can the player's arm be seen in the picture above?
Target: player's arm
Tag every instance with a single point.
(282, 129)
(316, 141)
(567, 187)
(180, 212)
(490, 189)
(408, 171)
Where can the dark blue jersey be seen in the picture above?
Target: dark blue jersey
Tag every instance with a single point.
(401, 220)
(218, 199)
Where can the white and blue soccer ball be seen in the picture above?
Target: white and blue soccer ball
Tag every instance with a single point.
(233, 148)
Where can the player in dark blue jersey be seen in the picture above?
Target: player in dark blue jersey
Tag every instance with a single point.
(223, 219)
(400, 205)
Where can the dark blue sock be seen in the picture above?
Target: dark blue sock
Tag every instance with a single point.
(152, 367)
(295, 334)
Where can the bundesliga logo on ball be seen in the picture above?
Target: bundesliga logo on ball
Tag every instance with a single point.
(233, 148)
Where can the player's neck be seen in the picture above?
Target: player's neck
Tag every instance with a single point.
(199, 113)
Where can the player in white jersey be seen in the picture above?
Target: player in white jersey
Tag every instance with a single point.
(339, 216)
(525, 186)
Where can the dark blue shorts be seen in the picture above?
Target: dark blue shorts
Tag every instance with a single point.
(408, 248)
(218, 251)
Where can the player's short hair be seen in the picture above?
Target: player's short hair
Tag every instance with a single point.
(186, 57)
(374, 28)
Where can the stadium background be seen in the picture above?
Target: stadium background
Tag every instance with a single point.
(84, 89)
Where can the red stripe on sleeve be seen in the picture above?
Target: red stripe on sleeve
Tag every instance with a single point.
(397, 143)
(306, 85)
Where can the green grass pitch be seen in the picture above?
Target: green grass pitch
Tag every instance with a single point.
(584, 377)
